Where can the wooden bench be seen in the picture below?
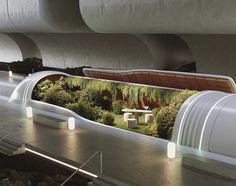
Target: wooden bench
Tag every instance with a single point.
(49, 121)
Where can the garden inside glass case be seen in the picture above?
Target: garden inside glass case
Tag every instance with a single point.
(143, 109)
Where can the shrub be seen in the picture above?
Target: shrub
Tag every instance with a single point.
(106, 103)
(108, 118)
(169, 133)
(165, 117)
(76, 95)
(179, 99)
(57, 96)
(93, 97)
(98, 112)
(83, 109)
(96, 98)
(41, 88)
(155, 111)
(165, 120)
(151, 130)
(117, 106)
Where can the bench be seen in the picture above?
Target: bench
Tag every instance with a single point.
(49, 121)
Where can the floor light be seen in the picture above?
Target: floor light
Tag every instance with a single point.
(10, 74)
(71, 123)
(29, 112)
(171, 150)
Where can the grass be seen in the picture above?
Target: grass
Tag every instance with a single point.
(141, 127)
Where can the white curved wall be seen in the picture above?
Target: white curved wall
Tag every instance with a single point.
(160, 16)
(214, 54)
(9, 50)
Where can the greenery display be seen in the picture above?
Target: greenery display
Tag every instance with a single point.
(103, 101)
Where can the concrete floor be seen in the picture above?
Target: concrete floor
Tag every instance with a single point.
(129, 157)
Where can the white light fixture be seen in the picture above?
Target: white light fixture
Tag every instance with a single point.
(29, 112)
(171, 150)
(10, 74)
(71, 123)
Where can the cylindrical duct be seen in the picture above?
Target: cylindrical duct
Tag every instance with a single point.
(160, 16)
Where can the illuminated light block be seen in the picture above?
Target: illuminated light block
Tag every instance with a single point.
(29, 112)
(171, 150)
(10, 74)
(71, 123)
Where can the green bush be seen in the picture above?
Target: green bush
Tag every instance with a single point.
(165, 117)
(83, 109)
(151, 130)
(76, 96)
(93, 97)
(165, 120)
(106, 104)
(108, 118)
(41, 88)
(96, 98)
(57, 96)
(117, 106)
(169, 133)
(98, 112)
(179, 99)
